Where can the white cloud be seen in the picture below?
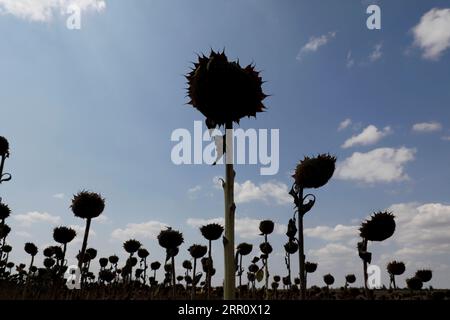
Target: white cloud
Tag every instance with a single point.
(23, 234)
(376, 53)
(378, 165)
(427, 127)
(315, 43)
(432, 33)
(350, 60)
(268, 192)
(368, 136)
(80, 233)
(102, 218)
(44, 10)
(33, 217)
(145, 230)
(332, 255)
(58, 196)
(193, 192)
(246, 228)
(446, 138)
(339, 232)
(345, 124)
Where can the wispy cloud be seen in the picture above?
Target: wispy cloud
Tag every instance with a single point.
(376, 53)
(30, 218)
(370, 135)
(344, 124)
(378, 165)
(144, 230)
(269, 192)
(45, 10)
(432, 33)
(425, 127)
(350, 62)
(59, 196)
(315, 43)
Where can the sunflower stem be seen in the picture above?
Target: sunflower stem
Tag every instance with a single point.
(301, 248)
(83, 247)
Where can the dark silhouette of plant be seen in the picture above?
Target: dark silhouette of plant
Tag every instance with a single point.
(210, 232)
(197, 252)
(349, 279)
(143, 254)
(63, 235)
(395, 268)
(87, 205)
(309, 173)
(5, 211)
(170, 240)
(131, 247)
(414, 283)
(379, 227)
(154, 266)
(4, 153)
(224, 92)
(291, 248)
(266, 227)
(424, 275)
(310, 267)
(243, 249)
(103, 262)
(328, 279)
(32, 250)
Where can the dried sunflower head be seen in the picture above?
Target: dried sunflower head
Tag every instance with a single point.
(131, 246)
(197, 251)
(314, 172)
(223, 91)
(424, 275)
(266, 227)
(64, 235)
(5, 211)
(4, 147)
(395, 268)
(211, 231)
(379, 227)
(170, 239)
(244, 248)
(87, 205)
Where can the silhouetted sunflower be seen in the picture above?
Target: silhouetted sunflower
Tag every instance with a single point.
(113, 259)
(63, 235)
(106, 275)
(223, 91)
(131, 246)
(49, 251)
(314, 172)
(197, 251)
(170, 239)
(187, 265)
(291, 247)
(265, 248)
(155, 265)
(31, 248)
(380, 227)
(92, 253)
(350, 278)
(103, 262)
(4, 147)
(211, 231)
(143, 253)
(244, 248)
(414, 283)
(328, 279)
(4, 230)
(131, 262)
(6, 248)
(87, 204)
(395, 268)
(310, 267)
(5, 211)
(253, 268)
(276, 278)
(266, 227)
(49, 262)
(424, 275)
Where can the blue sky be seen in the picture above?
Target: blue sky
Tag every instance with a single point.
(95, 108)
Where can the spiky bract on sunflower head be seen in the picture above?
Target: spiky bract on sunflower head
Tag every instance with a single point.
(379, 227)
(314, 172)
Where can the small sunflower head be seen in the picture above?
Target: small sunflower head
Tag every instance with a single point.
(310, 267)
(103, 262)
(253, 268)
(187, 265)
(350, 278)
(291, 247)
(143, 253)
(49, 251)
(6, 248)
(414, 283)
(64, 235)
(113, 259)
(244, 248)
(266, 248)
(49, 262)
(197, 251)
(92, 253)
(314, 172)
(276, 278)
(211, 231)
(155, 265)
(170, 239)
(424, 275)
(223, 91)
(379, 227)
(87, 205)
(5, 211)
(266, 227)
(396, 268)
(131, 246)
(328, 279)
(4, 230)
(31, 249)
(4, 147)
